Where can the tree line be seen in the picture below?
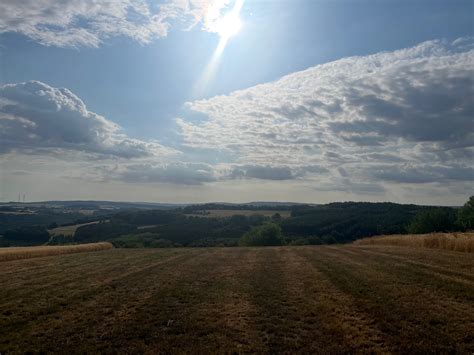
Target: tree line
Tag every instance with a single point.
(322, 224)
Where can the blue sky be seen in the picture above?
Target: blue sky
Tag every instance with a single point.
(143, 87)
(148, 87)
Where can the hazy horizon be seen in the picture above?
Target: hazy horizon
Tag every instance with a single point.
(263, 203)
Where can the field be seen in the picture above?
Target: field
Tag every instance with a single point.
(230, 213)
(68, 231)
(16, 253)
(463, 242)
(328, 299)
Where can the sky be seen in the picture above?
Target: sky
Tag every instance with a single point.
(237, 100)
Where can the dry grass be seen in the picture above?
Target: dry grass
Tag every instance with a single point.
(463, 242)
(230, 213)
(15, 253)
(307, 300)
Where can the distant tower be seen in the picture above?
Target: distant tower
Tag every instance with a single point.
(24, 198)
(19, 197)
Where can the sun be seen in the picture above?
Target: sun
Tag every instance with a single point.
(228, 26)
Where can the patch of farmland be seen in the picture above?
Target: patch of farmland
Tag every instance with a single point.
(310, 299)
(230, 213)
(17, 213)
(68, 231)
(148, 226)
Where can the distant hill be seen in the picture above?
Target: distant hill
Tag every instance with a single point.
(79, 204)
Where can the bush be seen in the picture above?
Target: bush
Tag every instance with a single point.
(267, 234)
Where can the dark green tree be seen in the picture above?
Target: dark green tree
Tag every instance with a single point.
(440, 219)
(264, 235)
(465, 217)
(276, 217)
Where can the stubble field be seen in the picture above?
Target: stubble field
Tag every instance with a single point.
(356, 299)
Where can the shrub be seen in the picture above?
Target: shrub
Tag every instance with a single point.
(267, 234)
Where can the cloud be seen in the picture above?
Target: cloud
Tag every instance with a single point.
(369, 126)
(346, 185)
(37, 118)
(408, 108)
(262, 172)
(76, 23)
(423, 173)
(172, 173)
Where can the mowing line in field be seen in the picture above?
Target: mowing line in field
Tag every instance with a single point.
(459, 275)
(422, 260)
(330, 312)
(391, 300)
(447, 286)
(265, 300)
(66, 276)
(50, 304)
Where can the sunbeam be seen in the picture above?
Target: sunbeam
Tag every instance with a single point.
(227, 26)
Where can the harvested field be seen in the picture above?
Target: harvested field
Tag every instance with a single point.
(463, 242)
(230, 213)
(328, 299)
(15, 253)
(68, 230)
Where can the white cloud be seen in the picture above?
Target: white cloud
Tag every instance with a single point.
(376, 127)
(171, 173)
(75, 23)
(40, 119)
(409, 108)
(262, 172)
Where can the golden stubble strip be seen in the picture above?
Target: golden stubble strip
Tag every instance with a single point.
(461, 242)
(16, 253)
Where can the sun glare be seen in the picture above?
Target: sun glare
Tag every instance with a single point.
(228, 26)
(225, 26)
